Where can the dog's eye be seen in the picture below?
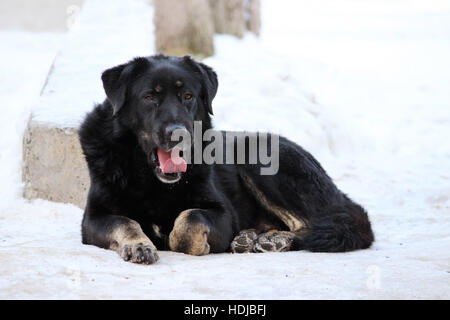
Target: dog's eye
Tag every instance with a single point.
(149, 97)
(187, 96)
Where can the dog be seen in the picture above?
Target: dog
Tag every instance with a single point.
(144, 196)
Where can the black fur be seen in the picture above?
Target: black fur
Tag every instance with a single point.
(124, 185)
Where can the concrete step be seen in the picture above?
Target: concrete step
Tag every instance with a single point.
(106, 33)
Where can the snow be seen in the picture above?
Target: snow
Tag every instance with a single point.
(24, 64)
(102, 37)
(363, 85)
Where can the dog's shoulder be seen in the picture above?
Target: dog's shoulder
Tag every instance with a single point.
(97, 126)
(105, 145)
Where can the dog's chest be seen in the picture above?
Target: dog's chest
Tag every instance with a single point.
(161, 204)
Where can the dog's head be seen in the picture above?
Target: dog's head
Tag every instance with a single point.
(159, 96)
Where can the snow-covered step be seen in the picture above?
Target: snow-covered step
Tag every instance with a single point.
(105, 34)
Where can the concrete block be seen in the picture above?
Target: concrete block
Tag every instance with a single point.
(229, 16)
(253, 16)
(183, 27)
(53, 165)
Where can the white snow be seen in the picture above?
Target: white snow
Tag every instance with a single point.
(363, 85)
(25, 59)
(101, 38)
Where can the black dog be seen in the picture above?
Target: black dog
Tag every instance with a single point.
(140, 200)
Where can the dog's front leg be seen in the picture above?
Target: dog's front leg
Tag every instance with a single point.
(199, 232)
(122, 235)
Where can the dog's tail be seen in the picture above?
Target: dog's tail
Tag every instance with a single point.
(342, 229)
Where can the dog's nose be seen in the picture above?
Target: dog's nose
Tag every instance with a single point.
(170, 129)
(175, 132)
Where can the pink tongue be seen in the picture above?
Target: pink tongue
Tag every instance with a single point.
(171, 162)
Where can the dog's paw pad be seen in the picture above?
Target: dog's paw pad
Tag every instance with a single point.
(244, 241)
(139, 253)
(274, 241)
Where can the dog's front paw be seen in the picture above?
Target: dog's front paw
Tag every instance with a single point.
(140, 252)
(190, 234)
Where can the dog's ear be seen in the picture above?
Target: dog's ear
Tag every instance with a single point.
(209, 81)
(115, 81)
(115, 85)
(210, 85)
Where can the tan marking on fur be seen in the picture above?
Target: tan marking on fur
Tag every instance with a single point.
(157, 230)
(130, 242)
(145, 135)
(129, 234)
(188, 237)
(290, 220)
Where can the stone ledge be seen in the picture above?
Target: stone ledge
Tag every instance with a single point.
(54, 167)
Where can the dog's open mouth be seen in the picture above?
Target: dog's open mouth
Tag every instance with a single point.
(169, 165)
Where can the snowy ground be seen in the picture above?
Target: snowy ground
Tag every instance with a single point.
(363, 85)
